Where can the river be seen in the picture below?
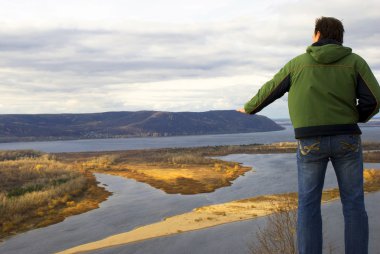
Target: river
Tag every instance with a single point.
(84, 145)
(134, 204)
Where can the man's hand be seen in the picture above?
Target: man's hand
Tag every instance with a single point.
(241, 110)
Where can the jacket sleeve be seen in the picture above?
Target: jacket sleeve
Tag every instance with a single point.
(270, 91)
(367, 93)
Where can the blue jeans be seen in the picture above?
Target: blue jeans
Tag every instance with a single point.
(345, 153)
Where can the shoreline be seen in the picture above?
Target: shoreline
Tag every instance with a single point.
(64, 207)
(184, 171)
(177, 224)
(27, 140)
(51, 211)
(215, 215)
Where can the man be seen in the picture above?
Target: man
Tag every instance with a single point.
(330, 90)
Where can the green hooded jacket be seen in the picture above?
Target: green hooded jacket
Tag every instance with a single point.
(330, 90)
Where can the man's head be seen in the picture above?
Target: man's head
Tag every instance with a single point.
(328, 28)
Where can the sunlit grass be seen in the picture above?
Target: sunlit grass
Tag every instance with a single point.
(171, 170)
(39, 189)
(36, 190)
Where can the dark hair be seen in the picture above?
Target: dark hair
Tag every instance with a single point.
(330, 28)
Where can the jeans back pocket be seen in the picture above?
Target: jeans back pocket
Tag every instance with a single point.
(309, 145)
(349, 143)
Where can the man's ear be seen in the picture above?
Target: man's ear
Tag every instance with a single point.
(316, 36)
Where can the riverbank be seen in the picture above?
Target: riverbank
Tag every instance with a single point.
(175, 171)
(183, 170)
(36, 191)
(214, 215)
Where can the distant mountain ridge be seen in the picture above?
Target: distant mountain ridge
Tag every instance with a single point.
(22, 127)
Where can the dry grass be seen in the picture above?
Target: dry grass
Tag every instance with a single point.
(280, 232)
(180, 170)
(18, 154)
(372, 180)
(27, 173)
(184, 180)
(172, 170)
(39, 191)
(371, 156)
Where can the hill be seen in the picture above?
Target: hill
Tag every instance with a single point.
(20, 127)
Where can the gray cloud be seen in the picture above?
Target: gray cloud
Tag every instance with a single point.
(43, 40)
(87, 70)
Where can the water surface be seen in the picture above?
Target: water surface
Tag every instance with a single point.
(369, 134)
(134, 204)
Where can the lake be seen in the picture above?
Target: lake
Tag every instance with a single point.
(134, 204)
(369, 134)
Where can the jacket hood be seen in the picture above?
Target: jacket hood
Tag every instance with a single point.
(328, 53)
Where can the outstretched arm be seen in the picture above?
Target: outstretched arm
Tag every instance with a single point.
(269, 92)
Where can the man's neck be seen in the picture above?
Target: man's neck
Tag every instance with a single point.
(326, 41)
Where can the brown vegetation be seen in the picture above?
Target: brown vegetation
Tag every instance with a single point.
(280, 232)
(172, 170)
(36, 191)
(39, 189)
(17, 154)
(182, 170)
(371, 156)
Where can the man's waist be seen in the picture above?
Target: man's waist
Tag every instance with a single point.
(325, 130)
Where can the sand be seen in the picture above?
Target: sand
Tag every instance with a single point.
(199, 218)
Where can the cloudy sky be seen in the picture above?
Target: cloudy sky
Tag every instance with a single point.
(189, 55)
